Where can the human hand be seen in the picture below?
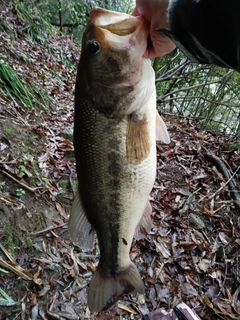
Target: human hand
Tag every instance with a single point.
(155, 11)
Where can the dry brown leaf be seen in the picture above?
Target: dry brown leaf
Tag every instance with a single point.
(38, 281)
(208, 212)
(61, 210)
(32, 298)
(237, 241)
(229, 295)
(194, 238)
(202, 265)
(187, 245)
(38, 272)
(207, 302)
(224, 312)
(190, 279)
(126, 308)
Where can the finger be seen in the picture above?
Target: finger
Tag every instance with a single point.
(159, 46)
(135, 12)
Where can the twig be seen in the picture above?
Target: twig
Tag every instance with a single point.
(7, 254)
(230, 181)
(16, 269)
(188, 200)
(224, 185)
(168, 75)
(33, 190)
(196, 86)
(47, 229)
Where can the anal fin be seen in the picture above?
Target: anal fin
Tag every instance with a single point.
(145, 223)
(161, 130)
(79, 228)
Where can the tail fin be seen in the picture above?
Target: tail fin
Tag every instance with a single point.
(104, 291)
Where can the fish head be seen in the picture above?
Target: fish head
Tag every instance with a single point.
(112, 48)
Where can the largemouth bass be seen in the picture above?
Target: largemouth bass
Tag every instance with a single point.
(115, 149)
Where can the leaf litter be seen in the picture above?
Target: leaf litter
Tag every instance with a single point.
(192, 252)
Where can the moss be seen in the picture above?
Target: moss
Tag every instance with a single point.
(28, 242)
(75, 185)
(8, 240)
(64, 184)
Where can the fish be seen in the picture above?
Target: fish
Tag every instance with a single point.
(115, 131)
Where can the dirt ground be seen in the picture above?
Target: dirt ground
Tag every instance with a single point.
(192, 252)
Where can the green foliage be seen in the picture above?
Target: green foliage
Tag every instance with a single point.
(37, 27)
(8, 131)
(75, 185)
(46, 180)
(3, 26)
(13, 87)
(74, 14)
(6, 301)
(65, 61)
(29, 242)
(64, 184)
(20, 192)
(9, 241)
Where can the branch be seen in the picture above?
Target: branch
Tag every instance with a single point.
(21, 183)
(169, 74)
(218, 162)
(194, 87)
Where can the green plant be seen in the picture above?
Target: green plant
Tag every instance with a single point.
(23, 170)
(37, 27)
(20, 192)
(13, 87)
(3, 270)
(8, 131)
(46, 180)
(32, 182)
(29, 242)
(8, 240)
(6, 301)
(65, 60)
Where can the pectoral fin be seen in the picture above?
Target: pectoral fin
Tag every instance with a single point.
(138, 143)
(161, 130)
(79, 228)
(145, 223)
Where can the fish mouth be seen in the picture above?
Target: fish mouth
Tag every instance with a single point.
(120, 24)
(120, 28)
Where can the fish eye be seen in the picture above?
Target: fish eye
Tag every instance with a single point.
(93, 46)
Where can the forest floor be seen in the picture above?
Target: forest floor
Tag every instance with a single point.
(192, 252)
